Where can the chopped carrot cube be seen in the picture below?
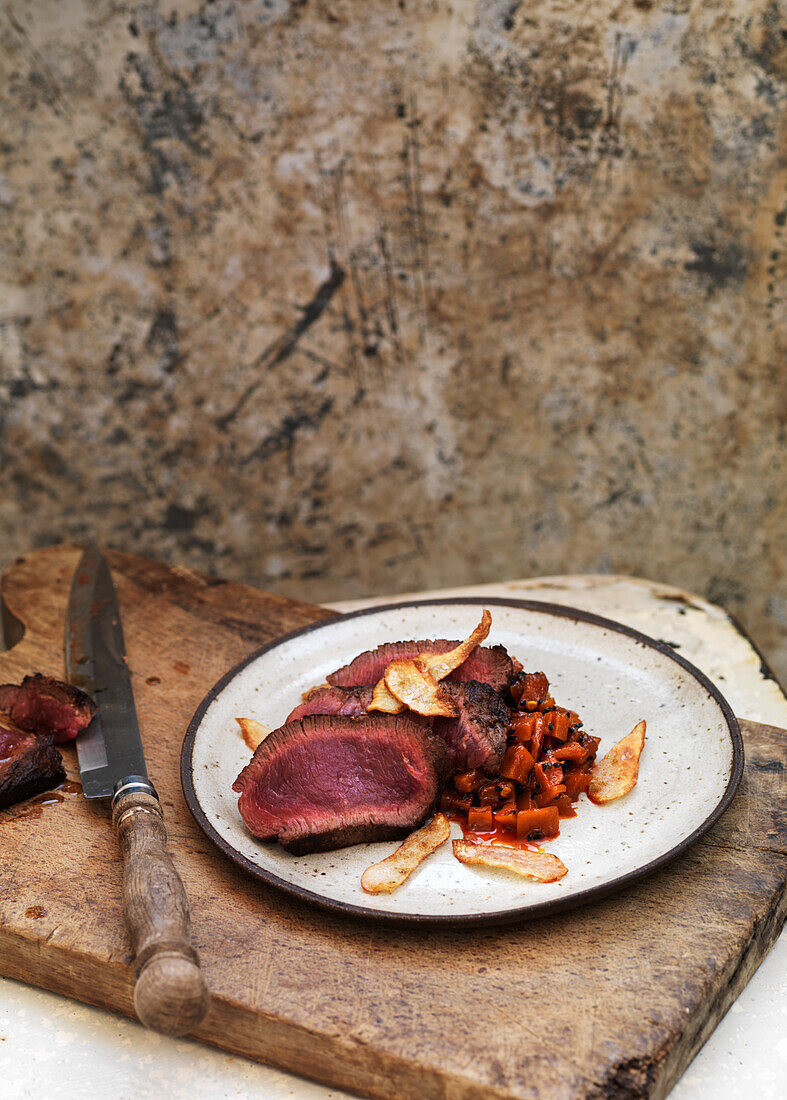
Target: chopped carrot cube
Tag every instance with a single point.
(506, 815)
(572, 751)
(564, 807)
(537, 824)
(469, 781)
(517, 764)
(547, 797)
(480, 818)
(556, 724)
(523, 725)
(576, 782)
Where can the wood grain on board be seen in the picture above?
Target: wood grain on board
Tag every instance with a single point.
(611, 1000)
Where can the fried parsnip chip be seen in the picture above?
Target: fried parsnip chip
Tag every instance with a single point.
(383, 701)
(419, 691)
(617, 773)
(385, 876)
(440, 664)
(253, 732)
(415, 683)
(540, 866)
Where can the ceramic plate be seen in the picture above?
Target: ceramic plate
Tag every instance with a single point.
(610, 674)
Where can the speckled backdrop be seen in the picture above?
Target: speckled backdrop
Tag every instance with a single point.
(344, 298)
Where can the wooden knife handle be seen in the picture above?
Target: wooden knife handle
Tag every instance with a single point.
(170, 994)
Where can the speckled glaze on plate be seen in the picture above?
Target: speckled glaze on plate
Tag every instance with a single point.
(612, 675)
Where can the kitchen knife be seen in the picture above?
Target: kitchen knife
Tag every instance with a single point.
(170, 993)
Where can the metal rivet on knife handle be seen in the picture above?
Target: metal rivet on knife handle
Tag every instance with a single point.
(170, 995)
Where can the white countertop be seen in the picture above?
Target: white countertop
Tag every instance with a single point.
(55, 1048)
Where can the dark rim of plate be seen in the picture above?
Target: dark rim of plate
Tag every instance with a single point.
(522, 912)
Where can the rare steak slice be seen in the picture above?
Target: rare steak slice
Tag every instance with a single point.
(41, 704)
(328, 781)
(476, 738)
(29, 763)
(351, 702)
(486, 664)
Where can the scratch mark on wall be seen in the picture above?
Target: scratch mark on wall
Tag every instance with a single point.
(41, 71)
(390, 293)
(284, 346)
(610, 147)
(416, 221)
(283, 438)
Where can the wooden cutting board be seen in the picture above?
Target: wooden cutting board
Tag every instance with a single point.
(611, 1000)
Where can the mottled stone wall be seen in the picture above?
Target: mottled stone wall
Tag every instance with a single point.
(350, 297)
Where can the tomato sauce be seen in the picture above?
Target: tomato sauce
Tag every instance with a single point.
(505, 837)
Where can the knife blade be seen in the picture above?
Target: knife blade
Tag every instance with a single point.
(110, 749)
(170, 994)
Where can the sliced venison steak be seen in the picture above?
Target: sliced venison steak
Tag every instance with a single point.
(351, 702)
(486, 664)
(476, 738)
(41, 704)
(328, 781)
(29, 763)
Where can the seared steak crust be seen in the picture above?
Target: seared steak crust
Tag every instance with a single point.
(8, 694)
(29, 763)
(476, 738)
(486, 664)
(328, 781)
